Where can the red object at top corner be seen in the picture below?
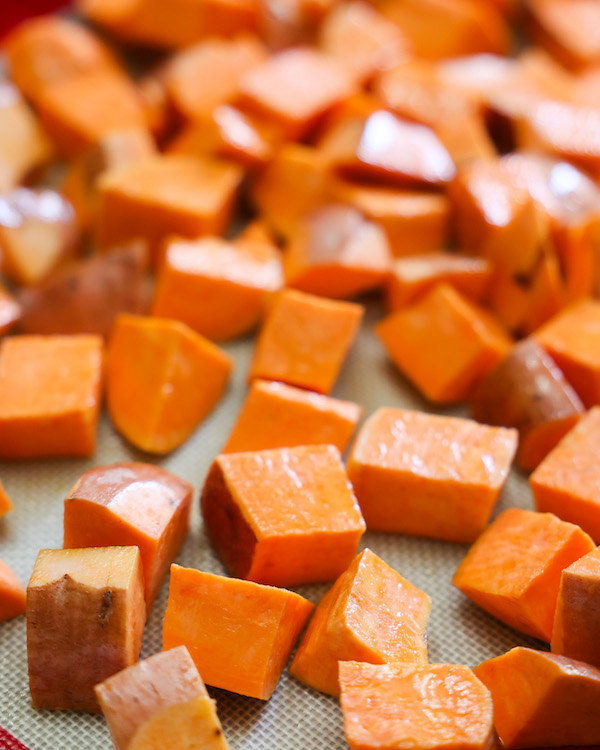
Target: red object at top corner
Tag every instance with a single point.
(12, 12)
(8, 742)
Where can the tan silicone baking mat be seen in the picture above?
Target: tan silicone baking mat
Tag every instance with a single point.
(296, 718)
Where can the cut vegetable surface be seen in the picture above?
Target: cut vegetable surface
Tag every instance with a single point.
(12, 594)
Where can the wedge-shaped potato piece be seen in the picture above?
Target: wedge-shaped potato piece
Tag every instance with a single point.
(161, 702)
(12, 594)
(239, 634)
(85, 620)
(370, 614)
(5, 502)
(564, 28)
(131, 504)
(542, 700)
(10, 311)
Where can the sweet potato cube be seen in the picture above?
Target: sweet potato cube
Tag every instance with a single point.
(513, 570)
(162, 380)
(38, 231)
(428, 475)
(566, 482)
(282, 517)
(85, 620)
(239, 634)
(10, 311)
(572, 339)
(370, 614)
(160, 702)
(50, 389)
(131, 504)
(217, 288)
(275, 415)
(295, 88)
(165, 195)
(527, 390)
(542, 700)
(415, 275)
(304, 340)
(12, 594)
(444, 344)
(335, 252)
(437, 706)
(5, 502)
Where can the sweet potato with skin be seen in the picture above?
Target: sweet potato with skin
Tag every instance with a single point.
(429, 475)
(162, 380)
(131, 504)
(159, 702)
(12, 594)
(239, 634)
(85, 620)
(370, 614)
(282, 517)
(5, 502)
(10, 311)
(50, 390)
(87, 296)
(542, 700)
(513, 570)
(432, 707)
(275, 415)
(528, 391)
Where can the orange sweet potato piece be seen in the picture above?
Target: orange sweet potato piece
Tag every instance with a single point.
(38, 231)
(444, 344)
(217, 288)
(528, 391)
(275, 415)
(85, 620)
(200, 78)
(335, 252)
(162, 380)
(86, 296)
(304, 340)
(542, 700)
(5, 502)
(155, 198)
(12, 594)
(565, 482)
(283, 517)
(513, 570)
(415, 275)
(239, 634)
(131, 504)
(432, 707)
(295, 88)
(24, 147)
(423, 474)
(371, 614)
(159, 702)
(50, 388)
(10, 311)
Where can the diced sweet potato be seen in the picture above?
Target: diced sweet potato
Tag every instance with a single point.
(370, 614)
(275, 415)
(38, 231)
(131, 504)
(432, 707)
(304, 340)
(155, 198)
(428, 475)
(444, 344)
(86, 296)
(50, 389)
(5, 502)
(162, 380)
(217, 288)
(542, 700)
(12, 594)
(10, 311)
(282, 517)
(565, 483)
(160, 702)
(528, 391)
(85, 620)
(239, 634)
(513, 570)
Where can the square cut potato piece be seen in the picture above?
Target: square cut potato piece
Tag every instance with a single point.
(282, 517)
(85, 621)
(428, 475)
